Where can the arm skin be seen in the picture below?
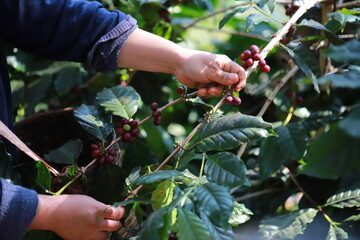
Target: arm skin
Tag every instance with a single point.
(76, 217)
(196, 69)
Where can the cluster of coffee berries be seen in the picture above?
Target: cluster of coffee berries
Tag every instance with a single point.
(180, 2)
(164, 14)
(127, 129)
(289, 35)
(232, 99)
(98, 151)
(252, 54)
(156, 114)
(180, 90)
(290, 9)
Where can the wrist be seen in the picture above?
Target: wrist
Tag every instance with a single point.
(44, 214)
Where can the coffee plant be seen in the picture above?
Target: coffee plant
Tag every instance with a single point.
(284, 156)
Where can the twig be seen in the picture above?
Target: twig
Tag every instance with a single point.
(259, 193)
(348, 4)
(312, 201)
(274, 42)
(234, 33)
(211, 15)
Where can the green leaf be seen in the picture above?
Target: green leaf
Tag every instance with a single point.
(229, 132)
(152, 227)
(226, 169)
(190, 226)
(351, 123)
(132, 201)
(348, 79)
(66, 79)
(353, 218)
(89, 119)
(333, 154)
(230, 15)
(270, 157)
(346, 199)
(217, 232)
(304, 59)
(67, 153)
(163, 194)
(108, 184)
(215, 201)
(336, 233)
(206, 4)
(316, 25)
(35, 175)
(240, 214)
(120, 101)
(156, 176)
(6, 170)
(257, 18)
(292, 140)
(288, 225)
(141, 153)
(346, 53)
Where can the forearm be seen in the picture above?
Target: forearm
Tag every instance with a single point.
(149, 52)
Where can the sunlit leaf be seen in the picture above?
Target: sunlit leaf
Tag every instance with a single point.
(229, 132)
(336, 233)
(89, 119)
(163, 194)
(120, 101)
(346, 199)
(240, 214)
(353, 218)
(288, 225)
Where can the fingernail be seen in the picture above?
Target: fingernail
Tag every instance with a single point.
(233, 77)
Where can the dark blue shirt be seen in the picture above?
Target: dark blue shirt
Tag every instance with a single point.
(71, 30)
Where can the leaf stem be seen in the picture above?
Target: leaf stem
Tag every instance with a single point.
(202, 165)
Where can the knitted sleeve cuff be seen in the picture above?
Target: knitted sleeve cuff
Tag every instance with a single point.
(18, 207)
(104, 54)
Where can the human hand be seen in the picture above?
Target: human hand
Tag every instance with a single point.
(76, 217)
(210, 73)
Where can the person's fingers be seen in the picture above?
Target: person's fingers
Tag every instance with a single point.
(202, 92)
(223, 78)
(240, 85)
(114, 213)
(215, 91)
(109, 225)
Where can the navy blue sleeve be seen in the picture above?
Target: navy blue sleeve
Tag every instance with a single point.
(18, 207)
(56, 29)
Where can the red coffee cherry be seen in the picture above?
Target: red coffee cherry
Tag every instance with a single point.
(180, 90)
(96, 153)
(154, 106)
(256, 57)
(249, 62)
(237, 101)
(262, 63)
(254, 49)
(157, 121)
(229, 99)
(94, 147)
(266, 68)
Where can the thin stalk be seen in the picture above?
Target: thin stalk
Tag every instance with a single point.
(202, 165)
